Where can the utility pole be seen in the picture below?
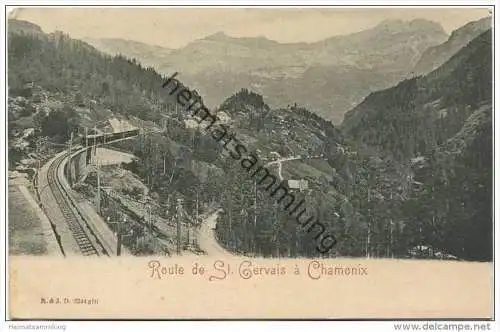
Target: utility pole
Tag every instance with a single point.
(119, 237)
(255, 203)
(70, 179)
(390, 240)
(37, 180)
(254, 215)
(147, 216)
(244, 222)
(229, 237)
(98, 195)
(369, 227)
(37, 174)
(164, 163)
(88, 155)
(152, 238)
(197, 206)
(187, 233)
(95, 141)
(277, 228)
(179, 214)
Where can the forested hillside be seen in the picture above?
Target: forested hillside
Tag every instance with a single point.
(413, 117)
(453, 207)
(353, 195)
(440, 124)
(72, 68)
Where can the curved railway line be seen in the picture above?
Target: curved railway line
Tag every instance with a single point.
(86, 240)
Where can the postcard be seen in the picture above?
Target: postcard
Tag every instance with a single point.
(172, 163)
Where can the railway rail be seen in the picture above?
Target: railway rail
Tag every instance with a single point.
(87, 242)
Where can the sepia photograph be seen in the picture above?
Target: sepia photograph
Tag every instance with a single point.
(250, 162)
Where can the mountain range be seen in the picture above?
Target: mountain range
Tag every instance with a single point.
(329, 77)
(421, 112)
(435, 56)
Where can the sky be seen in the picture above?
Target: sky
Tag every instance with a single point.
(176, 27)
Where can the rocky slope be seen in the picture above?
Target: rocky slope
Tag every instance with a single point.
(436, 56)
(412, 117)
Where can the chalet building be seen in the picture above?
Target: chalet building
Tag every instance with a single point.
(297, 184)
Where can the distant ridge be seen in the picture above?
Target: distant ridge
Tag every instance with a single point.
(437, 55)
(408, 118)
(329, 76)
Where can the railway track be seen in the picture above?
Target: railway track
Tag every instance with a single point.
(85, 239)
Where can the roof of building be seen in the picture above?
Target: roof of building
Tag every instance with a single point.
(120, 125)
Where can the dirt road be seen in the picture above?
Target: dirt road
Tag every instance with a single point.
(207, 240)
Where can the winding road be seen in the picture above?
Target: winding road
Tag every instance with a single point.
(280, 161)
(207, 240)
